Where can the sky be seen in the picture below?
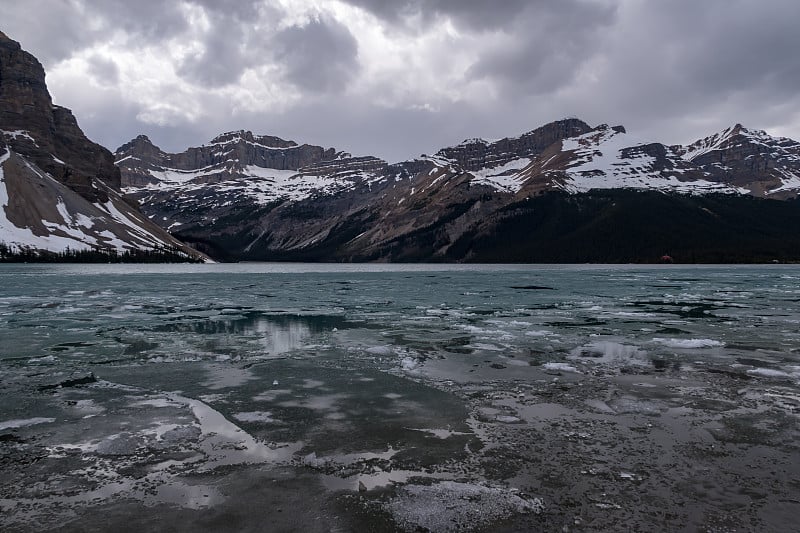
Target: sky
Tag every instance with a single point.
(398, 78)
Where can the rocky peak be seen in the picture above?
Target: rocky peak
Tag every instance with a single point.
(476, 154)
(140, 148)
(243, 136)
(24, 100)
(737, 143)
(226, 152)
(47, 135)
(140, 142)
(752, 159)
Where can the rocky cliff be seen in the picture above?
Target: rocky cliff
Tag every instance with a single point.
(59, 190)
(223, 157)
(48, 135)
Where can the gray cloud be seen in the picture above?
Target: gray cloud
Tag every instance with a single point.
(475, 14)
(242, 10)
(221, 62)
(103, 70)
(670, 71)
(154, 20)
(551, 44)
(55, 30)
(51, 30)
(668, 66)
(320, 56)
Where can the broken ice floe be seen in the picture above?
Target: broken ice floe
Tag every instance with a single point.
(14, 424)
(689, 344)
(453, 506)
(560, 367)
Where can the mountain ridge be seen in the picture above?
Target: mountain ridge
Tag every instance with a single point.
(458, 191)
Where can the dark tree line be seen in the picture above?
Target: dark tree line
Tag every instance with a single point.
(163, 254)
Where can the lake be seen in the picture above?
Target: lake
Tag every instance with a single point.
(308, 397)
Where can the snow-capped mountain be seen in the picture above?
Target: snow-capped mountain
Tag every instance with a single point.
(760, 163)
(262, 168)
(58, 190)
(736, 161)
(246, 196)
(237, 171)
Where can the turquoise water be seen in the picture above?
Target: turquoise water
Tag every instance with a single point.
(326, 368)
(70, 316)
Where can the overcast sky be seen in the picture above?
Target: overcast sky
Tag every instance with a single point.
(397, 78)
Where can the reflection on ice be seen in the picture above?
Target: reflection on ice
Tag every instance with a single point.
(225, 443)
(609, 352)
(280, 338)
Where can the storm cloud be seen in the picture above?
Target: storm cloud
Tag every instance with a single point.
(319, 56)
(396, 79)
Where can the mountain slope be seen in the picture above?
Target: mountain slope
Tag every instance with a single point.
(58, 190)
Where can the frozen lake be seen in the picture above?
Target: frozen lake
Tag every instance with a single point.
(264, 397)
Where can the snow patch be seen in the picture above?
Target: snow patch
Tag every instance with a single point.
(505, 177)
(19, 133)
(601, 164)
(688, 343)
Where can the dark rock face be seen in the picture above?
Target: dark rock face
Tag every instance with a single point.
(142, 148)
(477, 154)
(46, 134)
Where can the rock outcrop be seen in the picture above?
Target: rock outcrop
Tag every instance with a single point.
(477, 154)
(225, 156)
(48, 135)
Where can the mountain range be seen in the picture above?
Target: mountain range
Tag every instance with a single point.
(563, 192)
(244, 196)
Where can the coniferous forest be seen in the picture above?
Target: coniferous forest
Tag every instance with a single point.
(159, 255)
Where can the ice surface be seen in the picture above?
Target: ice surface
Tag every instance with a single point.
(13, 424)
(656, 366)
(452, 506)
(264, 417)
